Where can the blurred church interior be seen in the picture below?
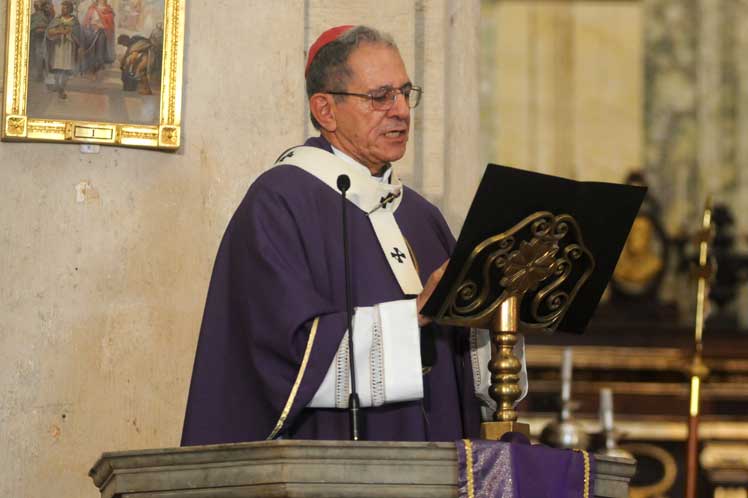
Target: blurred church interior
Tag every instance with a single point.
(651, 93)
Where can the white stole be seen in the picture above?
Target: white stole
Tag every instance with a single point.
(367, 194)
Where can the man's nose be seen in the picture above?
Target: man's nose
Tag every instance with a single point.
(400, 108)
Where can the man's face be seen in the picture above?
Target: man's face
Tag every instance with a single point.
(373, 137)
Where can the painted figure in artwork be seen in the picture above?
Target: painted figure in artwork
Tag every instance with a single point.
(48, 8)
(98, 29)
(157, 40)
(137, 63)
(130, 14)
(62, 43)
(40, 20)
(141, 62)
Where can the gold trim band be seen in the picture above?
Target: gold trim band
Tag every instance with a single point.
(469, 468)
(297, 383)
(176, 21)
(17, 65)
(586, 457)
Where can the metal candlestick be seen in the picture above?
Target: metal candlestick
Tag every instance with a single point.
(565, 432)
(609, 433)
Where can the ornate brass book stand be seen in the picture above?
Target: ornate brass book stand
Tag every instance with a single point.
(521, 280)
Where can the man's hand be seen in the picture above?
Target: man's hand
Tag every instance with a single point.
(428, 289)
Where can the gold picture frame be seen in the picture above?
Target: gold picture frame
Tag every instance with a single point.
(77, 105)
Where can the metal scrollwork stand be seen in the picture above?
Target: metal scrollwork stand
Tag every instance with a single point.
(521, 280)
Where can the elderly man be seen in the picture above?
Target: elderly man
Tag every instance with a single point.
(273, 357)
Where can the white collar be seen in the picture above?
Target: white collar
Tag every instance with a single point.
(385, 178)
(367, 192)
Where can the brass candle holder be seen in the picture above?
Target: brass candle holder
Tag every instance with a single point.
(565, 432)
(521, 280)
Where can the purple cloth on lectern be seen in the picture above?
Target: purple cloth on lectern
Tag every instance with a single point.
(521, 470)
(280, 266)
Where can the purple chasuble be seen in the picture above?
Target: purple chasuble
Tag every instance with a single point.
(278, 269)
(495, 469)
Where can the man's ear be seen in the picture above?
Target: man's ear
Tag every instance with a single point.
(322, 107)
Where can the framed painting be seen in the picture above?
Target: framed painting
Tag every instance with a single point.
(94, 71)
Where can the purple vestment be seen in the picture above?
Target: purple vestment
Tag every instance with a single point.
(279, 267)
(494, 469)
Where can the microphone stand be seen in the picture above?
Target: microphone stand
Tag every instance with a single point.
(354, 405)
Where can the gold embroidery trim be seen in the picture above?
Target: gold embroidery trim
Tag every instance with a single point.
(586, 457)
(469, 468)
(297, 383)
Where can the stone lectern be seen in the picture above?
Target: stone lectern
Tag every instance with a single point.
(297, 468)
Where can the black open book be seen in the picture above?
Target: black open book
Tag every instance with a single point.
(604, 213)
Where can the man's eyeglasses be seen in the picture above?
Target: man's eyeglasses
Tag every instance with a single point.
(384, 99)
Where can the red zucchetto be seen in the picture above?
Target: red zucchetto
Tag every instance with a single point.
(328, 36)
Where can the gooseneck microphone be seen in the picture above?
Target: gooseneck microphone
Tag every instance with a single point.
(344, 183)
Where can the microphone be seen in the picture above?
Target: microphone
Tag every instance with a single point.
(344, 183)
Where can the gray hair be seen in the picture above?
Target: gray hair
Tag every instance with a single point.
(329, 71)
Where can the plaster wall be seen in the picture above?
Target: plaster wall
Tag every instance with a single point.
(105, 258)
